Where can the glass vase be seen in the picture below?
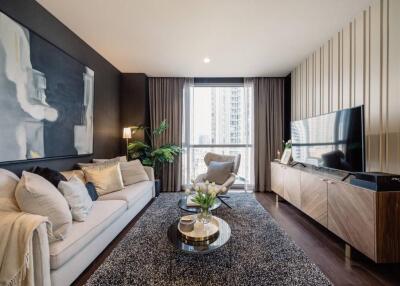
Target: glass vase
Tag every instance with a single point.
(205, 215)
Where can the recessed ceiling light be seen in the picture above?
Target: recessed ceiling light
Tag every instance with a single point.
(206, 60)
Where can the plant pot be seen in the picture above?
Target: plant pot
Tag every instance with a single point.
(157, 186)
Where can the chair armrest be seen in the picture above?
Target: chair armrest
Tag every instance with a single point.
(200, 178)
(149, 172)
(229, 182)
(41, 256)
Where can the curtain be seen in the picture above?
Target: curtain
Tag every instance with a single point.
(166, 102)
(268, 127)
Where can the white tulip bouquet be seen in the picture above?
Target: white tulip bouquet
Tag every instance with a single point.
(205, 197)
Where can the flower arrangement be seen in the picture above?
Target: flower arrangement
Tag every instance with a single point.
(287, 145)
(205, 196)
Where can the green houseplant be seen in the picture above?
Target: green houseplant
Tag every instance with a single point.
(149, 154)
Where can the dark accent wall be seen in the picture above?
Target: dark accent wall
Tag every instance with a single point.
(287, 110)
(106, 110)
(134, 103)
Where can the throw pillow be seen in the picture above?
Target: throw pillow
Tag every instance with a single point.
(36, 195)
(50, 175)
(8, 183)
(219, 172)
(91, 188)
(133, 172)
(69, 174)
(106, 177)
(78, 198)
(102, 161)
(116, 159)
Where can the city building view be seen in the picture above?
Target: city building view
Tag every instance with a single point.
(218, 120)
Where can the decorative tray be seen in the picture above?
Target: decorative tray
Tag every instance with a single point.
(201, 232)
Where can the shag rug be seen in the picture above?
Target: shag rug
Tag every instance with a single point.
(259, 252)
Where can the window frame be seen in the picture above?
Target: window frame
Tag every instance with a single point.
(186, 144)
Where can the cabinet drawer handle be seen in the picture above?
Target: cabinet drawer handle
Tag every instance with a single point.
(323, 179)
(331, 182)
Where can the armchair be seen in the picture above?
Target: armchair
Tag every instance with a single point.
(231, 179)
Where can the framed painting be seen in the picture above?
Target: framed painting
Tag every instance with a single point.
(46, 98)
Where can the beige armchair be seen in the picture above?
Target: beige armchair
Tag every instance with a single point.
(221, 158)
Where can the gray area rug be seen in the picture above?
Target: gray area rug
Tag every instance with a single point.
(258, 253)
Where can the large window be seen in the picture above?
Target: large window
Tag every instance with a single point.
(218, 119)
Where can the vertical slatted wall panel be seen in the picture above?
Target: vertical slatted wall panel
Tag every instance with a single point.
(359, 65)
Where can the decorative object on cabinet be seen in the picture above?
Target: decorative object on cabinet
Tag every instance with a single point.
(287, 154)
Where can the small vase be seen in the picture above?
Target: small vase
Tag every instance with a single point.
(205, 215)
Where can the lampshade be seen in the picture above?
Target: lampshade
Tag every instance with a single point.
(127, 133)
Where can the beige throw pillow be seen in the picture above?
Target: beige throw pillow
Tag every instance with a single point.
(8, 183)
(103, 161)
(106, 177)
(133, 172)
(116, 159)
(78, 173)
(36, 195)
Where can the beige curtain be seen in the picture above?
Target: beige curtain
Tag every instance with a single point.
(166, 102)
(268, 127)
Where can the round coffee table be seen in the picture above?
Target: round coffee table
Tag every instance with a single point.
(193, 209)
(199, 247)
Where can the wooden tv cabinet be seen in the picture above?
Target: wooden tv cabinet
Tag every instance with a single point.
(367, 220)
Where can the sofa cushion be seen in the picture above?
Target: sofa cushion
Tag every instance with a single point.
(219, 172)
(78, 198)
(131, 193)
(36, 195)
(133, 172)
(117, 159)
(106, 177)
(69, 174)
(8, 183)
(102, 215)
(91, 188)
(53, 176)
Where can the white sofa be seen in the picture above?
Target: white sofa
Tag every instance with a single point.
(61, 262)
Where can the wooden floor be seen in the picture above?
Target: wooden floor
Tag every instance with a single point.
(324, 249)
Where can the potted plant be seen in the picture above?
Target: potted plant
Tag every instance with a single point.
(149, 154)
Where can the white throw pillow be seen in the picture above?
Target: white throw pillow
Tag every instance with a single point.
(8, 183)
(133, 172)
(36, 195)
(77, 197)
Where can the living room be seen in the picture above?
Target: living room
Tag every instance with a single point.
(199, 142)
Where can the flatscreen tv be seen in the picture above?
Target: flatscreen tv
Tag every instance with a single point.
(334, 140)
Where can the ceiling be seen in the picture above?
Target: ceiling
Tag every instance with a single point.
(172, 37)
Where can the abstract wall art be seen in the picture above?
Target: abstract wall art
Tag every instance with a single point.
(46, 98)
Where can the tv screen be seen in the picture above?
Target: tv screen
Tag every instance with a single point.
(334, 140)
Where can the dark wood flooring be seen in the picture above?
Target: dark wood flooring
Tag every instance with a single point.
(327, 250)
(324, 249)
